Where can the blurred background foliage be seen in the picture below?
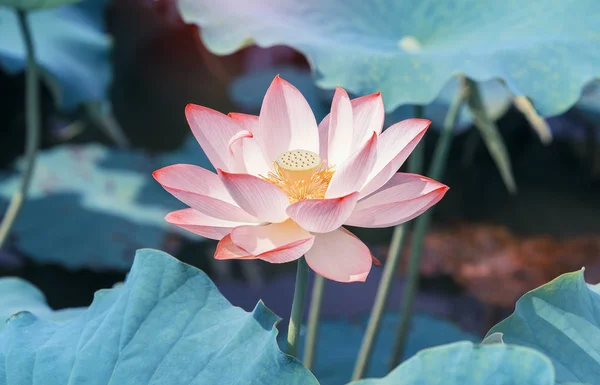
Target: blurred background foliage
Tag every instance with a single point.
(116, 78)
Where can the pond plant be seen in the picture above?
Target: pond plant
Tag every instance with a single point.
(285, 186)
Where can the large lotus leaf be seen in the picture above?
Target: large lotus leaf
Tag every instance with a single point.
(167, 325)
(92, 206)
(71, 46)
(464, 363)
(18, 295)
(408, 50)
(562, 320)
(339, 342)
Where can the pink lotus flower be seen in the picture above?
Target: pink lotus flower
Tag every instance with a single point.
(285, 186)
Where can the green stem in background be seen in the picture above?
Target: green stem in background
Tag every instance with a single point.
(415, 164)
(539, 124)
(412, 275)
(32, 110)
(312, 328)
(491, 136)
(410, 288)
(436, 170)
(295, 325)
(102, 115)
(470, 148)
(389, 271)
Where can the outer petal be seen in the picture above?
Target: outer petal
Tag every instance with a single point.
(226, 249)
(340, 128)
(286, 121)
(340, 256)
(369, 114)
(212, 130)
(249, 122)
(322, 215)
(275, 242)
(352, 173)
(201, 224)
(256, 196)
(202, 190)
(403, 198)
(254, 158)
(393, 147)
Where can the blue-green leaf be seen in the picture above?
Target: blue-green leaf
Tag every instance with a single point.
(545, 50)
(34, 5)
(167, 325)
(562, 320)
(18, 295)
(464, 363)
(71, 45)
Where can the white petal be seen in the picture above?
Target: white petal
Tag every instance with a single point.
(212, 130)
(340, 256)
(256, 196)
(393, 148)
(352, 173)
(340, 128)
(286, 121)
(403, 198)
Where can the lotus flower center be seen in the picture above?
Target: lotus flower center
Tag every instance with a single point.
(301, 175)
(298, 164)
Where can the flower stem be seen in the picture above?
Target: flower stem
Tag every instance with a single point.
(33, 131)
(312, 329)
(412, 276)
(491, 136)
(293, 335)
(389, 271)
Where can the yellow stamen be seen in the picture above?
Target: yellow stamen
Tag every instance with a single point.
(301, 175)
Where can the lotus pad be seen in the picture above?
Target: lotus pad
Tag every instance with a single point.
(545, 50)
